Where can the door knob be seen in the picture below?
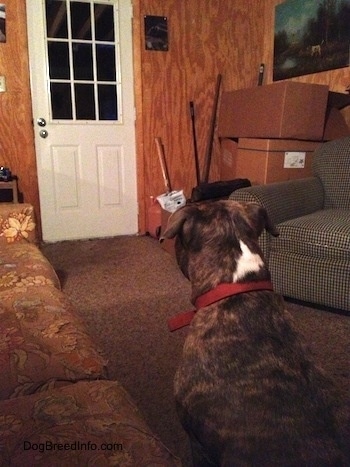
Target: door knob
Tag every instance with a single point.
(41, 121)
(44, 133)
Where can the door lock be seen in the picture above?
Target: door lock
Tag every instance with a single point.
(41, 121)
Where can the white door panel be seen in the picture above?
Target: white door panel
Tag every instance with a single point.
(86, 168)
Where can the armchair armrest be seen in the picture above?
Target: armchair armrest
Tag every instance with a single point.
(283, 201)
(17, 223)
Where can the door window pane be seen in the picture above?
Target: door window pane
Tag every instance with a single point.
(61, 101)
(82, 60)
(104, 24)
(105, 58)
(85, 101)
(56, 19)
(107, 102)
(58, 60)
(81, 21)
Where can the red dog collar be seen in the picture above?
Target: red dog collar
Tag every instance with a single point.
(220, 292)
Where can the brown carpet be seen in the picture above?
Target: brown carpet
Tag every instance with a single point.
(126, 288)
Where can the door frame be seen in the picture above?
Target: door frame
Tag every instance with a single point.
(139, 127)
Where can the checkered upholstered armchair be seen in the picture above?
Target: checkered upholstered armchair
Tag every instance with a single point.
(310, 260)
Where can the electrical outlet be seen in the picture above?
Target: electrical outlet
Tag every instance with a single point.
(294, 160)
(2, 84)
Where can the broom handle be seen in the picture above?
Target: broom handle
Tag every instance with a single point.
(196, 159)
(207, 160)
(163, 166)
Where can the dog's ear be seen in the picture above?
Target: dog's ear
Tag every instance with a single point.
(176, 222)
(260, 219)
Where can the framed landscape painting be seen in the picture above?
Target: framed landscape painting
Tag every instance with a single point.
(310, 36)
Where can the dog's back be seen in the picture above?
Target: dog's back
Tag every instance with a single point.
(247, 392)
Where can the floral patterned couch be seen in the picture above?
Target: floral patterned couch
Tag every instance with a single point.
(57, 406)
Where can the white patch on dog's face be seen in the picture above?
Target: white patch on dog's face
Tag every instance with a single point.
(248, 262)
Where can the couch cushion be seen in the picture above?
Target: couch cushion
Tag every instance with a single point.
(22, 265)
(331, 164)
(323, 234)
(311, 279)
(43, 343)
(17, 223)
(87, 423)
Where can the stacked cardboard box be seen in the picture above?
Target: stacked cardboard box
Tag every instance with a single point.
(258, 126)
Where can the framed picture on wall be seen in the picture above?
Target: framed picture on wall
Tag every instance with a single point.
(2, 22)
(310, 36)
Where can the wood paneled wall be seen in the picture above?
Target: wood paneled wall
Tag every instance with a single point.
(16, 129)
(206, 37)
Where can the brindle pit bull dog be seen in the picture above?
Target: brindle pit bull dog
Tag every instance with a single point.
(246, 390)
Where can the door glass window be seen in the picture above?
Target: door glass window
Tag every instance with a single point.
(107, 104)
(56, 19)
(61, 101)
(83, 60)
(104, 24)
(105, 60)
(84, 101)
(59, 66)
(80, 20)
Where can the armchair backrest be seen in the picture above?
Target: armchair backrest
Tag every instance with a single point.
(331, 164)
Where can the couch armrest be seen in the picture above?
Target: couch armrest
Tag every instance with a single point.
(285, 200)
(17, 223)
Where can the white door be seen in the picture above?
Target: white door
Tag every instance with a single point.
(80, 54)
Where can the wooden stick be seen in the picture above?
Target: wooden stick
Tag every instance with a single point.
(196, 159)
(161, 155)
(210, 142)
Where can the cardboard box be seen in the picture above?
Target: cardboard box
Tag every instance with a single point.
(338, 100)
(228, 154)
(288, 110)
(262, 160)
(336, 126)
(169, 243)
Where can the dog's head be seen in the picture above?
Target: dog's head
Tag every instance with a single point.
(218, 241)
